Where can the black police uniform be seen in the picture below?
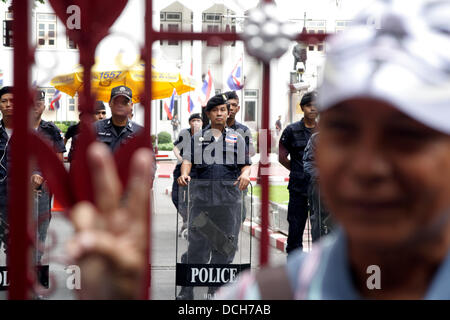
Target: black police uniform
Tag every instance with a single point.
(107, 134)
(72, 133)
(52, 134)
(215, 202)
(4, 145)
(294, 139)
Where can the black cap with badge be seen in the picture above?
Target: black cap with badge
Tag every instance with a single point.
(121, 91)
(217, 100)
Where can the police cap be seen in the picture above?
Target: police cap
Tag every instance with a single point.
(231, 95)
(99, 106)
(121, 91)
(195, 116)
(215, 101)
(5, 90)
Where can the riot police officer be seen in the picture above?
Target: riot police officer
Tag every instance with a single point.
(42, 210)
(243, 130)
(293, 142)
(222, 165)
(117, 129)
(180, 145)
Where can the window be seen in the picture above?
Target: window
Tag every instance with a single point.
(7, 33)
(161, 28)
(172, 28)
(316, 27)
(212, 28)
(71, 44)
(250, 110)
(233, 29)
(71, 103)
(173, 16)
(251, 101)
(341, 25)
(212, 17)
(49, 93)
(46, 30)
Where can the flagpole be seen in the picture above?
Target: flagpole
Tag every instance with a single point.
(243, 87)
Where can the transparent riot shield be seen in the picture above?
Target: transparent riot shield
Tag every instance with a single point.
(41, 206)
(321, 221)
(213, 249)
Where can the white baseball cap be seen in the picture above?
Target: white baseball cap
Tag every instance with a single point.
(404, 60)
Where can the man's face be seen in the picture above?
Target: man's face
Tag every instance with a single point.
(121, 106)
(38, 108)
(234, 107)
(384, 176)
(6, 104)
(218, 115)
(310, 111)
(196, 124)
(100, 115)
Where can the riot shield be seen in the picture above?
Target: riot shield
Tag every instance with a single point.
(321, 220)
(41, 204)
(213, 249)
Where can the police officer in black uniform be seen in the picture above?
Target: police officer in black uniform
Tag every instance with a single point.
(222, 164)
(293, 142)
(243, 130)
(52, 134)
(180, 145)
(72, 131)
(117, 129)
(6, 108)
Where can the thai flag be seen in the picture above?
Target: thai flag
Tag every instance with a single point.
(55, 101)
(231, 138)
(169, 109)
(235, 79)
(191, 104)
(207, 89)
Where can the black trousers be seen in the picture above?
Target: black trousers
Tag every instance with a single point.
(297, 216)
(321, 222)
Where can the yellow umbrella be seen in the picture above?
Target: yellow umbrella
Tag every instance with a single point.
(163, 83)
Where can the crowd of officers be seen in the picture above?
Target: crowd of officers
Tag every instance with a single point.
(216, 153)
(113, 131)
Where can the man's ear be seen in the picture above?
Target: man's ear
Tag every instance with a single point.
(207, 114)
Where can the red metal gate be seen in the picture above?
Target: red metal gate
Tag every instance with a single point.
(75, 186)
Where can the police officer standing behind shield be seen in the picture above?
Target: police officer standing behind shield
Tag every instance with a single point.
(293, 142)
(217, 155)
(52, 134)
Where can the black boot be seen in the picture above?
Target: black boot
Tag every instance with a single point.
(211, 293)
(186, 293)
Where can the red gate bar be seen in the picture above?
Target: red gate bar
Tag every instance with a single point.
(19, 183)
(18, 204)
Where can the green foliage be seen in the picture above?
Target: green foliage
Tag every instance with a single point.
(64, 125)
(165, 146)
(278, 194)
(164, 137)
